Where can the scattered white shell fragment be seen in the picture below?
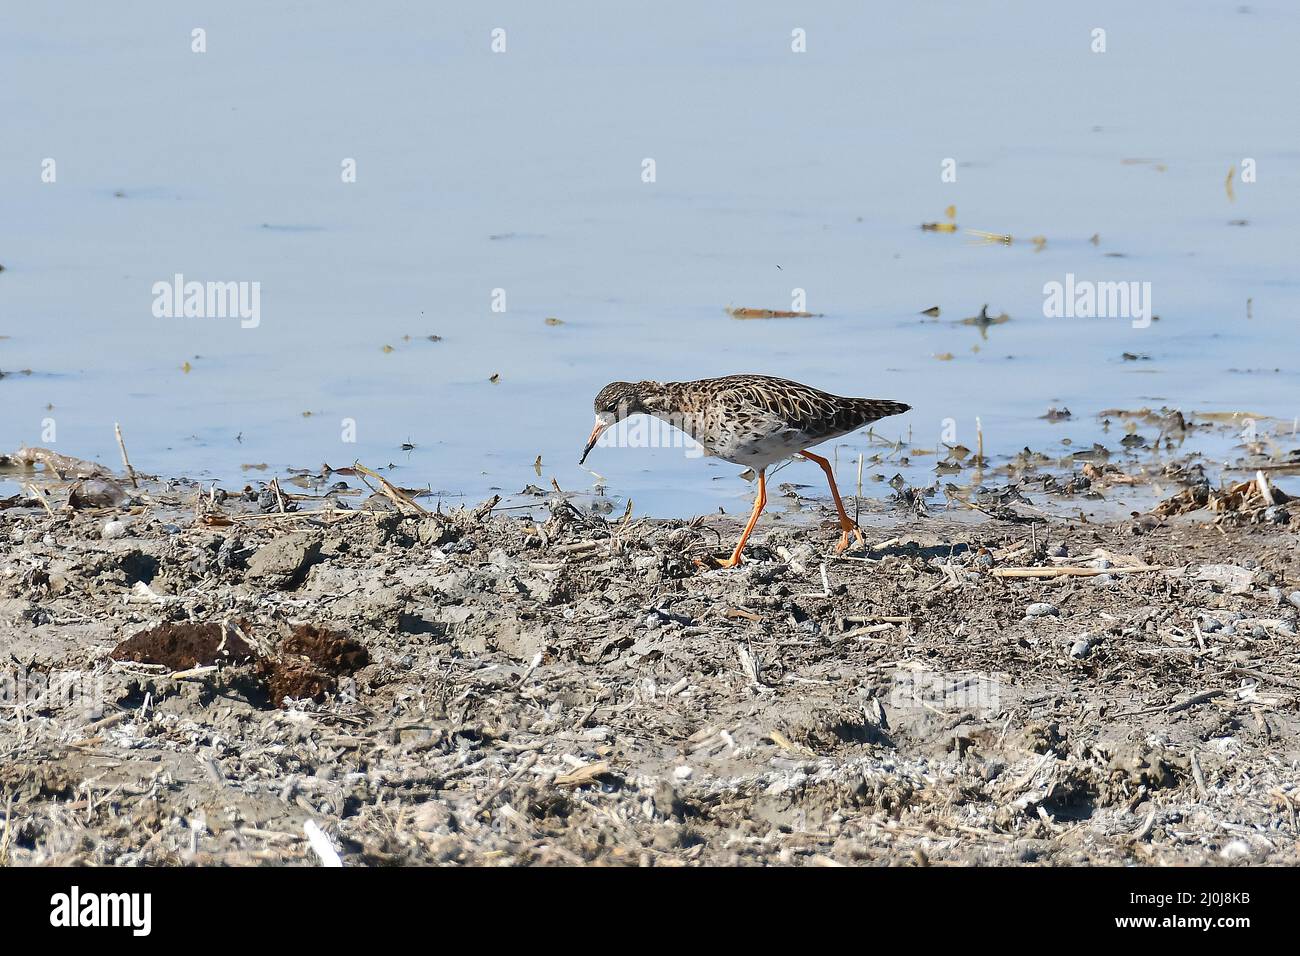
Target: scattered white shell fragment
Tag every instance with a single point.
(321, 845)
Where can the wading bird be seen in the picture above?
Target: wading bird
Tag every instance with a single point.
(750, 420)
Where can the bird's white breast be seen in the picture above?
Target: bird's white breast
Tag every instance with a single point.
(758, 441)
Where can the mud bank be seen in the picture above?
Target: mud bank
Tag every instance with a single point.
(192, 677)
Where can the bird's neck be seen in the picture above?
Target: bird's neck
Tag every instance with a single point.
(658, 398)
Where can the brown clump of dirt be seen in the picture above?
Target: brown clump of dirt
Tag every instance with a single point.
(311, 661)
(185, 645)
(331, 650)
(298, 678)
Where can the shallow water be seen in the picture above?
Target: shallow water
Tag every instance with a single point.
(522, 171)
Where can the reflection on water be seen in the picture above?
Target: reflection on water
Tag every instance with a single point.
(500, 255)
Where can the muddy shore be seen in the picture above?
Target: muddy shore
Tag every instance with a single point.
(191, 678)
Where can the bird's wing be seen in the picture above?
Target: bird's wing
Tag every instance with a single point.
(799, 407)
(806, 409)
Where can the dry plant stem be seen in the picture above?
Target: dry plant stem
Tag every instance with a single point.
(9, 828)
(1065, 571)
(279, 498)
(582, 775)
(31, 490)
(126, 462)
(337, 513)
(857, 503)
(61, 465)
(193, 672)
(1265, 492)
(398, 496)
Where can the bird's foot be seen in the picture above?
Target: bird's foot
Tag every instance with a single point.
(712, 563)
(844, 538)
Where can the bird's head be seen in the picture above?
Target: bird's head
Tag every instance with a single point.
(616, 401)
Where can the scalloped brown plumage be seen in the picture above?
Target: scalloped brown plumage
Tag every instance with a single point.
(750, 420)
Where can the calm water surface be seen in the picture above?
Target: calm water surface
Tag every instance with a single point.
(522, 171)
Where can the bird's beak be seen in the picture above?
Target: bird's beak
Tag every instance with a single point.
(596, 431)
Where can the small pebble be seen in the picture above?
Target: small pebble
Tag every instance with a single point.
(1040, 609)
(229, 554)
(1294, 598)
(113, 529)
(1235, 850)
(1081, 648)
(683, 772)
(1103, 580)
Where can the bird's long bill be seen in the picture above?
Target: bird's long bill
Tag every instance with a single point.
(596, 432)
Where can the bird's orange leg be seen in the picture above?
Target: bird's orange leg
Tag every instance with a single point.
(759, 504)
(847, 524)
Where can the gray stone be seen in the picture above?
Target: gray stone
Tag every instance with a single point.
(434, 531)
(1230, 577)
(97, 493)
(284, 561)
